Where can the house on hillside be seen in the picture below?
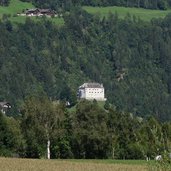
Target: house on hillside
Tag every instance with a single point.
(39, 12)
(4, 106)
(91, 91)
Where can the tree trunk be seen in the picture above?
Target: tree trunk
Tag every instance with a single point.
(48, 149)
(138, 3)
(113, 153)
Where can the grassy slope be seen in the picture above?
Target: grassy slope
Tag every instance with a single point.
(7, 164)
(144, 14)
(16, 6)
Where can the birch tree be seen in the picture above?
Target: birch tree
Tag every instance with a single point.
(43, 117)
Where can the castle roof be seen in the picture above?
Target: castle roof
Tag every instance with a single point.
(91, 85)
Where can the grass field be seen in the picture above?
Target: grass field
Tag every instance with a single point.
(17, 6)
(144, 14)
(110, 161)
(7, 164)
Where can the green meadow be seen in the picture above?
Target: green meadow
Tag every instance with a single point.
(15, 7)
(144, 14)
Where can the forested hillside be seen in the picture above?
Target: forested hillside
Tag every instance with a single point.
(42, 64)
(130, 57)
(67, 4)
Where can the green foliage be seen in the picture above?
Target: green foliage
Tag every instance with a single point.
(88, 133)
(130, 57)
(41, 121)
(107, 105)
(11, 139)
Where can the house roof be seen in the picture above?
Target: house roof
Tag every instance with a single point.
(45, 10)
(91, 85)
(39, 10)
(32, 10)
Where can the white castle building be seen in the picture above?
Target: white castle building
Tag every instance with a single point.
(91, 91)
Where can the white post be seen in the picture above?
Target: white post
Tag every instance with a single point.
(48, 149)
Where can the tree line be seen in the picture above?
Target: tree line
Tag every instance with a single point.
(68, 4)
(46, 129)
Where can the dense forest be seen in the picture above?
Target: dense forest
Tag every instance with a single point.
(90, 132)
(130, 57)
(67, 4)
